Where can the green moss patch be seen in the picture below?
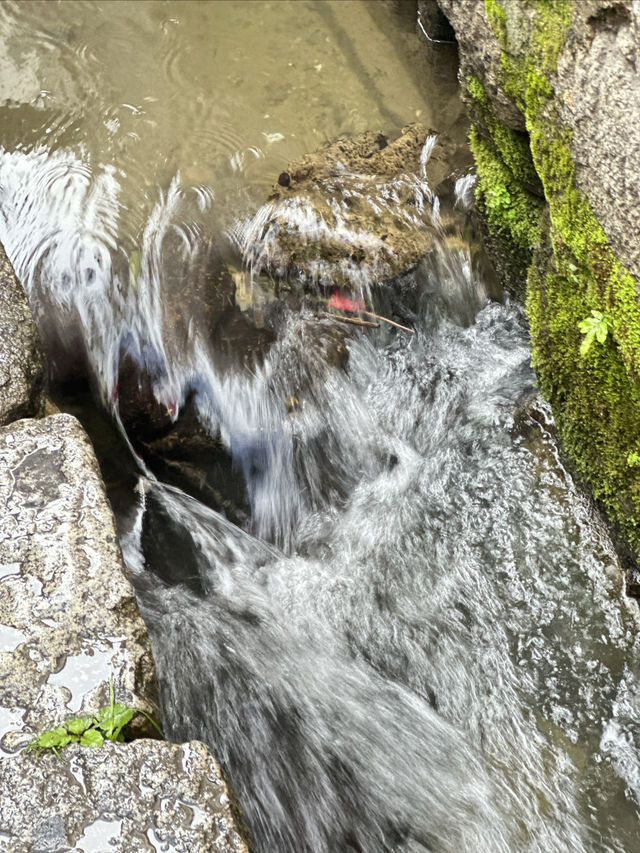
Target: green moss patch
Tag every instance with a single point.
(595, 395)
(505, 171)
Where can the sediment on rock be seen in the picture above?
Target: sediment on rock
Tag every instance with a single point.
(556, 66)
(357, 210)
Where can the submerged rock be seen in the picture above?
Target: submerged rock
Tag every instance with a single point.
(356, 211)
(125, 798)
(198, 319)
(21, 367)
(69, 620)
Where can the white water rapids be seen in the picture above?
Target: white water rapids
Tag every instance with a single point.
(441, 661)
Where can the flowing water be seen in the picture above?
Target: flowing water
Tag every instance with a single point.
(386, 607)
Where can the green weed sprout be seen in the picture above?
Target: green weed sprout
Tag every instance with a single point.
(107, 724)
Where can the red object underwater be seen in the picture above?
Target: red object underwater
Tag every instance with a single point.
(338, 300)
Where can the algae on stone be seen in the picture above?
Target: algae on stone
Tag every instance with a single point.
(358, 209)
(574, 271)
(507, 189)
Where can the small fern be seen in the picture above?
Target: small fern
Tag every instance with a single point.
(633, 459)
(596, 327)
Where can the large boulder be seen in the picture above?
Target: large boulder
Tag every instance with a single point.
(21, 367)
(554, 92)
(594, 74)
(597, 88)
(480, 55)
(125, 798)
(69, 620)
(357, 210)
(70, 633)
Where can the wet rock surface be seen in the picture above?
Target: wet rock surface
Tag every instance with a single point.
(21, 367)
(142, 796)
(68, 615)
(479, 52)
(69, 623)
(597, 75)
(358, 208)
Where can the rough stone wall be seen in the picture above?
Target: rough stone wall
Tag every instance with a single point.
(21, 366)
(569, 70)
(597, 89)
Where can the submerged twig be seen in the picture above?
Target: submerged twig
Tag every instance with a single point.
(354, 320)
(342, 303)
(391, 322)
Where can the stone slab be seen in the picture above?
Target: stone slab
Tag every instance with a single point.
(21, 365)
(139, 797)
(69, 619)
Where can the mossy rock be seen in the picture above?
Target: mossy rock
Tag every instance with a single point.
(358, 209)
(529, 190)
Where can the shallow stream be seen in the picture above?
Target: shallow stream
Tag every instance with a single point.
(375, 593)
